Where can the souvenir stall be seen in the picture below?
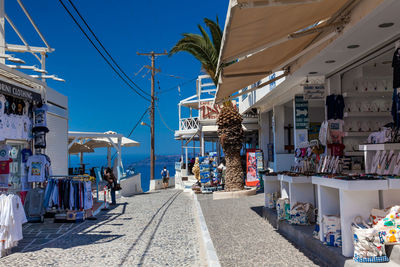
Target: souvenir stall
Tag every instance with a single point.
(208, 173)
(358, 178)
(22, 128)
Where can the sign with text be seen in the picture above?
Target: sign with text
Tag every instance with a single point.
(301, 112)
(16, 91)
(210, 111)
(314, 91)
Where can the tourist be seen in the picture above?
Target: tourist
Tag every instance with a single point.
(165, 177)
(112, 182)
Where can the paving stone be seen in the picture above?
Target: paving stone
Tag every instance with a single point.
(242, 238)
(157, 229)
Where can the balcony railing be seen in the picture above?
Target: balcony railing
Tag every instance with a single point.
(189, 124)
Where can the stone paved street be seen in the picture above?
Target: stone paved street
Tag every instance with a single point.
(242, 237)
(156, 229)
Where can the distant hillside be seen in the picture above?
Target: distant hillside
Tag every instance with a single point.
(160, 160)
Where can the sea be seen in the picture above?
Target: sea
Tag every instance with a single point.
(137, 163)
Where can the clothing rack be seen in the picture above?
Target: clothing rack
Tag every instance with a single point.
(70, 177)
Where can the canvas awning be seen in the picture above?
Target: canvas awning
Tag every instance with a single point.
(106, 142)
(266, 36)
(77, 148)
(253, 24)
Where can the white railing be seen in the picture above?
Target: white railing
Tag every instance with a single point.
(189, 124)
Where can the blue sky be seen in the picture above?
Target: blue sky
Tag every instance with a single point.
(98, 99)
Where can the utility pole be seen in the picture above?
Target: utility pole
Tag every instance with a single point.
(153, 69)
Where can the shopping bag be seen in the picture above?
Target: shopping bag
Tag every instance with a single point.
(332, 231)
(368, 247)
(301, 214)
(282, 209)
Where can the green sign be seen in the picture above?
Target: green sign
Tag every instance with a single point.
(301, 112)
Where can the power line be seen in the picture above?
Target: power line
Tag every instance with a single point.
(134, 127)
(176, 86)
(112, 59)
(108, 62)
(162, 119)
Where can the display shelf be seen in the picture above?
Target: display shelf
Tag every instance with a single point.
(354, 153)
(393, 183)
(270, 178)
(349, 199)
(382, 94)
(366, 114)
(375, 147)
(296, 179)
(357, 185)
(357, 134)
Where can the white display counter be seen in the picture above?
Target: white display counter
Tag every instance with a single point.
(297, 189)
(271, 185)
(347, 199)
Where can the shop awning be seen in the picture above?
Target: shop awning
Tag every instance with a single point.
(265, 36)
(254, 24)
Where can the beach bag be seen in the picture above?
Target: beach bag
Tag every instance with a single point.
(271, 199)
(301, 214)
(389, 226)
(282, 209)
(367, 244)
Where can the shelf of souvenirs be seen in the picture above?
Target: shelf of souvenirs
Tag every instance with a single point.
(357, 182)
(354, 153)
(357, 134)
(375, 147)
(367, 114)
(363, 93)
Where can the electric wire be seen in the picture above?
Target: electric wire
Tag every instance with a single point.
(101, 54)
(134, 127)
(176, 86)
(105, 50)
(162, 119)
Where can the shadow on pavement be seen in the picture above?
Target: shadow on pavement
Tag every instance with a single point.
(170, 200)
(67, 235)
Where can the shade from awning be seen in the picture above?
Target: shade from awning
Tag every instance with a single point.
(250, 28)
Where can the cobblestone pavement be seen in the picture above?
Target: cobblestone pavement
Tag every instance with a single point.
(242, 237)
(155, 229)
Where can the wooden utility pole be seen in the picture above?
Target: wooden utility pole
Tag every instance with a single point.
(153, 69)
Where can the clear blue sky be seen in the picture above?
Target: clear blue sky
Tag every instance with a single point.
(98, 100)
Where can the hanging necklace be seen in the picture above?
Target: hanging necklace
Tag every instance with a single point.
(388, 161)
(381, 160)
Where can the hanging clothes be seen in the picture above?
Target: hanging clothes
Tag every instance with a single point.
(68, 194)
(12, 216)
(335, 107)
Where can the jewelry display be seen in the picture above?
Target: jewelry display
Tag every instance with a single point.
(388, 163)
(381, 162)
(396, 169)
(374, 163)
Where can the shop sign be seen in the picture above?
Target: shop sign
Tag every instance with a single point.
(210, 111)
(16, 91)
(314, 91)
(301, 112)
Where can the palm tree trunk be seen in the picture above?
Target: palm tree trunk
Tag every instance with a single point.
(234, 172)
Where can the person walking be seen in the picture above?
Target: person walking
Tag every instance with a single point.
(165, 177)
(112, 182)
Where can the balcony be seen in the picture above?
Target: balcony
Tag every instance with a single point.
(188, 124)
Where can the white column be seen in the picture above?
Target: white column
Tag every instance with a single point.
(202, 143)
(279, 133)
(109, 157)
(263, 135)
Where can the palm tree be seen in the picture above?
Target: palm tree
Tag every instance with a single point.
(229, 120)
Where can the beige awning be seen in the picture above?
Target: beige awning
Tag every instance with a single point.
(253, 24)
(271, 41)
(77, 148)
